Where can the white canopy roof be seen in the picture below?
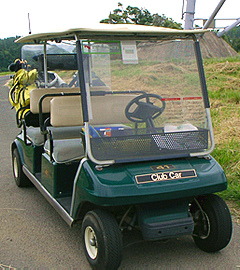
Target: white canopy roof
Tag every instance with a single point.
(111, 32)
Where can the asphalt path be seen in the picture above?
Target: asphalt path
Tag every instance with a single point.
(33, 235)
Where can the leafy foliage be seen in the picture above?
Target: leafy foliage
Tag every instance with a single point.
(135, 15)
(233, 38)
(9, 51)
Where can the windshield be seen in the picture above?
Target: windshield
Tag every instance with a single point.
(152, 106)
(144, 98)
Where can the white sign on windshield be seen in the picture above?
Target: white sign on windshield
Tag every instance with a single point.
(129, 52)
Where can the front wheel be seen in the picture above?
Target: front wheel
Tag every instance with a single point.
(212, 223)
(102, 241)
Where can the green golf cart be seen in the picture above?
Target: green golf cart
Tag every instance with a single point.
(118, 135)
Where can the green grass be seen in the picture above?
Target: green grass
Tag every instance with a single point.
(228, 155)
(5, 73)
(222, 60)
(223, 80)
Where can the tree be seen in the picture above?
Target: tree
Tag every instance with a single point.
(135, 15)
(233, 38)
(9, 51)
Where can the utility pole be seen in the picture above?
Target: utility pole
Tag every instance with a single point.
(189, 14)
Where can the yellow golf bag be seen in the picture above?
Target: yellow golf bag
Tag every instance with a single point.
(23, 83)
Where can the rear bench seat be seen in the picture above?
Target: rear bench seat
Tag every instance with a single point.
(34, 133)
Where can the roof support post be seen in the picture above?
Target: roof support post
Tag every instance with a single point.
(45, 64)
(201, 74)
(82, 80)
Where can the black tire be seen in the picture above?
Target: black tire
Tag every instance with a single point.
(102, 241)
(20, 178)
(212, 223)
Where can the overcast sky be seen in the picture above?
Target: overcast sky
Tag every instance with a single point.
(52, 15)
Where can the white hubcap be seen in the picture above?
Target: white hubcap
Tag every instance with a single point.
(91, 242)
(15, 167)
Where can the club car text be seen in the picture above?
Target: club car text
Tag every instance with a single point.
(164, 176)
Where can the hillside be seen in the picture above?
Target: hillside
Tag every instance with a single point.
(214, 47)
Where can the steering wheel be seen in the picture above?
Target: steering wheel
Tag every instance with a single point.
(141, 109)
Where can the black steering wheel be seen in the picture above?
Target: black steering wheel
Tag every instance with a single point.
(141, 109)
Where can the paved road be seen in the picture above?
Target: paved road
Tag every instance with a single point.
(32, 235)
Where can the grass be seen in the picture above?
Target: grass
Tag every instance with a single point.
(223, 80)
(5, 73)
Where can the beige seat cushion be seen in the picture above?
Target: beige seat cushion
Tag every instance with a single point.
(59, 133)
(65, 150)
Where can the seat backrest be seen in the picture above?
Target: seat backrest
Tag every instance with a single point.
(108, 109)
(36, 94)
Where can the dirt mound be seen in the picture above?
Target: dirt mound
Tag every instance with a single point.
(211, 46)
(214, 47)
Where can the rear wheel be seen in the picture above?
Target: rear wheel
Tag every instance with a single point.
(102, 241)
(212, 223)
(20, 178)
